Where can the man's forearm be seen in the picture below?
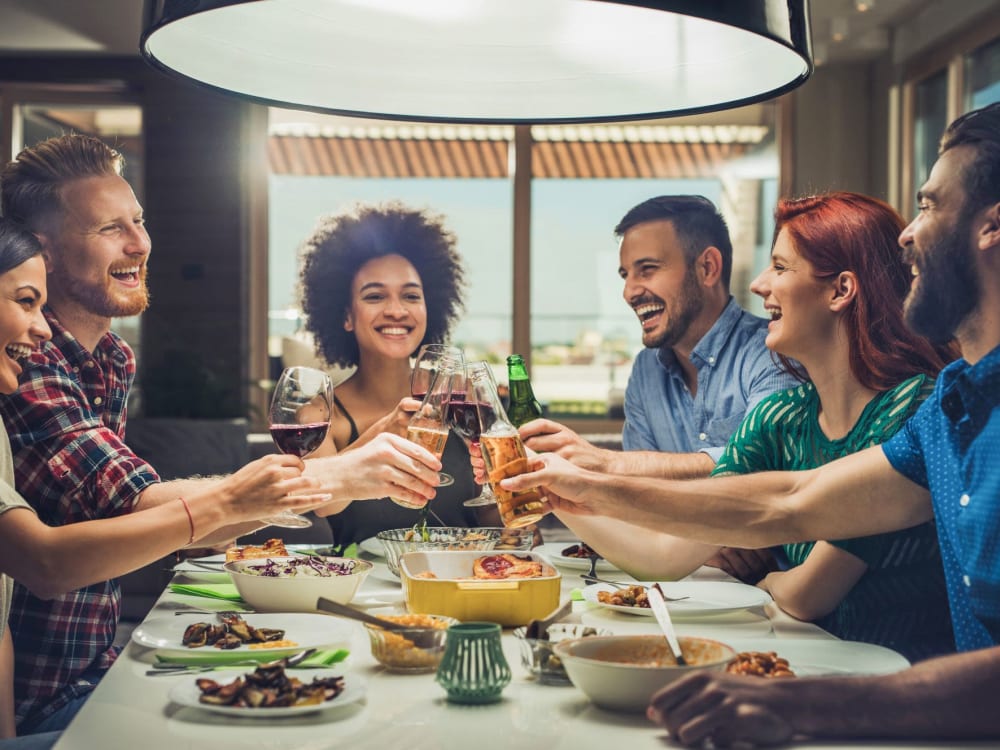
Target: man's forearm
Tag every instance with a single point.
(165, 492)
(660, 465)
(948, 697)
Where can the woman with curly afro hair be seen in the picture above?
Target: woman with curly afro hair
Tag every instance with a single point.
(376, 283)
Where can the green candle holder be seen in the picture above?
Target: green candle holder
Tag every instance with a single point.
(473, 668)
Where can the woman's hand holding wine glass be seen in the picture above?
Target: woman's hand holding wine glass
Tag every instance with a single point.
(299, 419)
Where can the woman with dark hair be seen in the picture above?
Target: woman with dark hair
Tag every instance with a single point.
(376, 284)
(834, 290)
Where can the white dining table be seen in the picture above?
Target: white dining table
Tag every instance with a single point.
(132, 710)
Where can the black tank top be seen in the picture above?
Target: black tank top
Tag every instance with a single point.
(362, 520)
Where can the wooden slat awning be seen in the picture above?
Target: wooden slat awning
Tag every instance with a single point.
(564, 152)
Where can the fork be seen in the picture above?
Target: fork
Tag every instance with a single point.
(161, 669)
(623, 585)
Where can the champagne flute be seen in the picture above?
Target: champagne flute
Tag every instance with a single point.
(503, 454)
(430, 360)
(428, 426)
(299, 419)
(465, 421)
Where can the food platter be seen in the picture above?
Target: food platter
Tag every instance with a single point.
(305, 630)
(827, 657)
(554, 552)
(703, 598)
(187, 694)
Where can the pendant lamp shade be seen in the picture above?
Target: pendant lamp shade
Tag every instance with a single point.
(486, 61)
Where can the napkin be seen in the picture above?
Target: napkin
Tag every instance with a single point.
(217, 657)
(576, 595)
(225, 591)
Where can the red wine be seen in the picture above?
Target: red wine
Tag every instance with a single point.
(299, 439)
(465, 418)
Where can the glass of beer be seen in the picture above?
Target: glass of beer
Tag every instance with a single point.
(503, 453)
(430, 423)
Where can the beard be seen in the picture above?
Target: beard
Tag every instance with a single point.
(102, 299)
(946, 290)
(679, 314)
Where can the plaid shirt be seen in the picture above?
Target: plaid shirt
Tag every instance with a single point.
(66, 422)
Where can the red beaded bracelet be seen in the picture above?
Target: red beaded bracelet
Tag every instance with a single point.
(190, 518)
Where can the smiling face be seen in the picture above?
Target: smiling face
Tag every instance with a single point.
(387, 314)
(660, 285)
(938, 244)
(802, 322)
(22, 327)
(97, 255)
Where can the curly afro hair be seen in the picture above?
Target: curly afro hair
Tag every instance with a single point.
(343, 243)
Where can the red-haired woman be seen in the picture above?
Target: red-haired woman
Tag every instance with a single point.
(834, 290)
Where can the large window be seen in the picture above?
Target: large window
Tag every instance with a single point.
(583, 337)
(930, 120)
(982, 76)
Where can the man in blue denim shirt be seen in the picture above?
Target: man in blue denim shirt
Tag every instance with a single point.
(942, 465)
(704, 366)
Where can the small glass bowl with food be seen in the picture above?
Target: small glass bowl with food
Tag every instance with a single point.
(395, 649)
(538, 658)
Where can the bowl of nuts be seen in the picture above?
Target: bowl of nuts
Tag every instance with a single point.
(395, 649)
(538, 658)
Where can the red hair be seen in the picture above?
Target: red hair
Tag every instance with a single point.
(843, 231)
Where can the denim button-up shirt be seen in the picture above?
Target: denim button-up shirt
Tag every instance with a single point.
(735, 371)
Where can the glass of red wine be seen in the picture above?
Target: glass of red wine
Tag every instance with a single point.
(299, 419)
(465, 421)
(431, 360)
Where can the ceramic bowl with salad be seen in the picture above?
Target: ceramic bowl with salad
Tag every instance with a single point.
(294, 583)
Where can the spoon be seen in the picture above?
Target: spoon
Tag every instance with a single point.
(539, 629)
(421, 637)
(659, 608)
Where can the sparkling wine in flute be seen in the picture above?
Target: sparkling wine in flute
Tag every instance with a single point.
(428, 426)
(428, 437)
(504, 455)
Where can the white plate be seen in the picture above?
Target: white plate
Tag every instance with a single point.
(812, 657)
(186, 693)
(704, 598)
(722, 627)
(305, 630)
(553, 551)
(373, 547)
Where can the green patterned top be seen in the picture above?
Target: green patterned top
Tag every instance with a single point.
(900, 601)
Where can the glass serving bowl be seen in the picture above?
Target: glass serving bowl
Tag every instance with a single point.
(397, 542)
(397, 653)
(538, 658)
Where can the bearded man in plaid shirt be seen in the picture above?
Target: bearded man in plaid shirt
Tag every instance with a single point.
(67, 420)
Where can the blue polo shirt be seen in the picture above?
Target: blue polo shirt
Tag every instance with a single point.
(735, 371)
(952, 447)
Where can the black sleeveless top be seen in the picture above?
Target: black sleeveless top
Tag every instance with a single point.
(362, 520)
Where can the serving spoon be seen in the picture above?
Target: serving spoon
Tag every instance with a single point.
(421, 637)
(659, 608)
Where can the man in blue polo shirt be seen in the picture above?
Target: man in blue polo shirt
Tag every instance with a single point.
(943, 464)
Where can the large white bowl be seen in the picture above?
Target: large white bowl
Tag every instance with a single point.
(296, 593)
(621, 672)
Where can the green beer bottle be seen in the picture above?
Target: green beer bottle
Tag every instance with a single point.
(523, 405)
